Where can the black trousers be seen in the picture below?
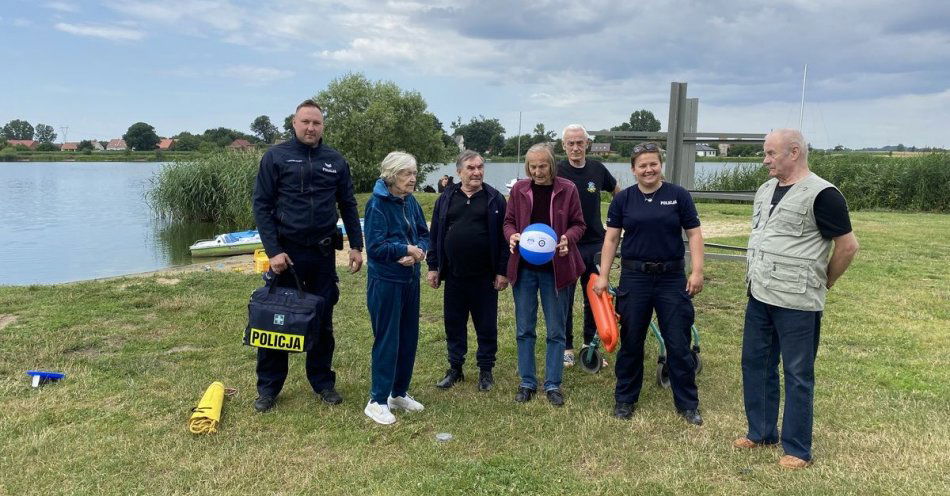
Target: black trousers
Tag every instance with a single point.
(317, 274)
(475, 296)
(638, 296)
(588, 252)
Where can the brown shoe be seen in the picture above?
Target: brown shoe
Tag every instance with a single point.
(793, 462)
(745, 443)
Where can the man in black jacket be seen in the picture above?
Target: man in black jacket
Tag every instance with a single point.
(300, 184)
(470, 253)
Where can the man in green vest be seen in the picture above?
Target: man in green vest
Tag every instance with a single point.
(798, 220)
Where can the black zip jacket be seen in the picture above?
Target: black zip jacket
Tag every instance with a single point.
(298, 190)
(496, 221)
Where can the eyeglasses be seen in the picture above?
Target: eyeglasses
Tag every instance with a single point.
(646, 147)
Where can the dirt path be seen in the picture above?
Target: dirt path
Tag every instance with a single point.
(6, 320)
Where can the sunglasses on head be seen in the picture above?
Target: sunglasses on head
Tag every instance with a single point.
(646, 147)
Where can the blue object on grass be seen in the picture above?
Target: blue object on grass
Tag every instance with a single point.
(42, 376)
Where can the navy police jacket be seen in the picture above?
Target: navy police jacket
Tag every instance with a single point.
(297, 193)
(496, 222)
(392, 224)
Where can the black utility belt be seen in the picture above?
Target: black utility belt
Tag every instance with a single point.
(653, 267)
(325, 244)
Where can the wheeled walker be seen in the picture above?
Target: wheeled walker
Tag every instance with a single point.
(607, 321)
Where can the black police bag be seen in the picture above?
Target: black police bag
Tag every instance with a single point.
(284, 319)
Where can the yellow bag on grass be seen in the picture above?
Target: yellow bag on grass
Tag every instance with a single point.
(207, 414)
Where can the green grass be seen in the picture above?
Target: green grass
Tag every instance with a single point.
(139, 353)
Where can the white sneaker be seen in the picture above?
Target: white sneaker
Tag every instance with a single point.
(406, 403)
(568, 358)
(379, 413)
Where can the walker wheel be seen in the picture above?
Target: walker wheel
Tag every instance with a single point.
(663, 375)
(592, 359)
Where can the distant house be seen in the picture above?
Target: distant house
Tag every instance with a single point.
(116, 145)
(69, 146)
(600, 148)
(240, 144)
(96, 146)
(166, 143)
(27, 143)
(724, 150)
(703, 150)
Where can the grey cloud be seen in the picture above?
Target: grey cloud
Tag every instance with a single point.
(757, 53)
(539, 20)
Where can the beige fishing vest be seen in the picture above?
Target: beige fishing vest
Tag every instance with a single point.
(787, 257)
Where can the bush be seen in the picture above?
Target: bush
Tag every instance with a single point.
(215, 187)
(8, 154)
(918, 183)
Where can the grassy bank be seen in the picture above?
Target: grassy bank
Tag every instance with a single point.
(139, 353)
(123, 156)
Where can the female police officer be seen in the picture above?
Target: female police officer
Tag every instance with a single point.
(652, 213)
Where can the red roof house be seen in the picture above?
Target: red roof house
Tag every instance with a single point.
(165, 143)
(240, 144)
(27, 143)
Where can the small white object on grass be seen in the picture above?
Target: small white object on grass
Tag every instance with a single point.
(443, 437)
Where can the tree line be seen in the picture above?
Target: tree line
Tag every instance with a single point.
(364, 120)
(487, 135)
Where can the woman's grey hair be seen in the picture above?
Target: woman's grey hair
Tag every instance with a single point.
(393, 164)
(466, 156)
(575, 127)
(545, 150)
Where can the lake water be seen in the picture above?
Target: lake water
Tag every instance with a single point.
(498, 174)
(72, 221)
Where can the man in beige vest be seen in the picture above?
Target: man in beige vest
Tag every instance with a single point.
(798, 219)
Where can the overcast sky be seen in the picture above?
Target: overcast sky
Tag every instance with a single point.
(878, 71)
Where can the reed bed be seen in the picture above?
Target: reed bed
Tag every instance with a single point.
(919, 183)
(214, 187)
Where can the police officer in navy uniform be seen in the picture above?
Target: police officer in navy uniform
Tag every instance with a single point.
(653, 214)
(590, 177)
(300, 184)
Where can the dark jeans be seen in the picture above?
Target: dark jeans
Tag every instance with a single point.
(638, 295)
(394, 315)
(772, 332)
(588, 252)
(475, 296)
(318, 276)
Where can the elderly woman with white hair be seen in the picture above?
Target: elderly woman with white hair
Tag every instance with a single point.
(396, 242)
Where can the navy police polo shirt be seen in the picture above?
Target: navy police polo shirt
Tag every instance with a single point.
(652, 222)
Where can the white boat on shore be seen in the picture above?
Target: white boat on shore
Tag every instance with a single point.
(236, 243)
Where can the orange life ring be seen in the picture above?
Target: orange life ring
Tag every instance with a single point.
(605, 317)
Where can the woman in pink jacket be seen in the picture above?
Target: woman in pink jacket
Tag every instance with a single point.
(543, 198)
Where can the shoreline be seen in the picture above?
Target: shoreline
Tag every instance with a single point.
(241, 264)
